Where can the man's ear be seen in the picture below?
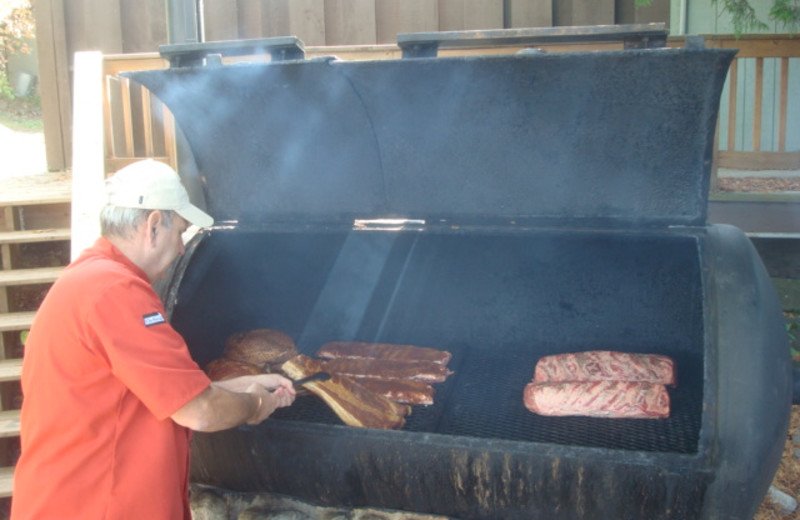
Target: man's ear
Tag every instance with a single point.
(153, 223)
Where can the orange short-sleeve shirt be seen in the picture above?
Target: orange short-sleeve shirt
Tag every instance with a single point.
(102, 373)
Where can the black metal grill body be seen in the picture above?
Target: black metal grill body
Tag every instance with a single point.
(564, 201)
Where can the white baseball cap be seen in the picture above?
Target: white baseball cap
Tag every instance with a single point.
(151, 184)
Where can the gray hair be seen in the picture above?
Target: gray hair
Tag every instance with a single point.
(123, 222)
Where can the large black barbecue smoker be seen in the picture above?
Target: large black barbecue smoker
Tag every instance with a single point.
(502, 208)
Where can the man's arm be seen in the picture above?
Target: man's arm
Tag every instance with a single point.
(231, 403)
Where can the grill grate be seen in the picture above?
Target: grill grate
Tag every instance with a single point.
(483, 399)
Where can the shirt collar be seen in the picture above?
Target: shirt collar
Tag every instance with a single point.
(104, 247)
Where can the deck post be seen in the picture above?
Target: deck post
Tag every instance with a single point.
(88, 163)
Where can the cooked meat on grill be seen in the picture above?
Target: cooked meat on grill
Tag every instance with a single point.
(223, 368)
(266, 348)
(353, 403)
(605, 365)
(388, 351)
(609, 399)
(384, 369)
(398, 390)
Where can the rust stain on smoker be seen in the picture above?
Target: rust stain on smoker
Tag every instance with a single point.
(474, 477)
(482, 471)
(579, 503)
(554, 469)
(458, 480)
(509, 483)
(491, 484)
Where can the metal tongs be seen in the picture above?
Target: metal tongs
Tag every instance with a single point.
(319, 376)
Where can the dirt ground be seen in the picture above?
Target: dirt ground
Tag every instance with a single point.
(759, 185)
(787, 479)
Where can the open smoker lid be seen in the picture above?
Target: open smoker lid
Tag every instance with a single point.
(621, 138)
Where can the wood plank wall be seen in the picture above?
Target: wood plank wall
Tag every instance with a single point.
(65, 27)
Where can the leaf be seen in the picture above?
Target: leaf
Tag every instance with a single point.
(787, 13)
(743, 16)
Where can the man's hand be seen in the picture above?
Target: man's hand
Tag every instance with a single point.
(268, 401)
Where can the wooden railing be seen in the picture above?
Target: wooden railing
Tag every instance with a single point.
(757, 130)
(755, 118)
(136, 124)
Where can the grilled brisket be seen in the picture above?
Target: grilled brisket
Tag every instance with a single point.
(221, 369)
(265, 348)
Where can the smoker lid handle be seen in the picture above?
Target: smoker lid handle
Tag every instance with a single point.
(193, 54)
(427, 44)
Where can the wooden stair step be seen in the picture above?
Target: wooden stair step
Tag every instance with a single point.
(9, 423)
(47, 188)
(10, 369)
(16, 321)
(34, 235)
(6, 481)
(29, 276)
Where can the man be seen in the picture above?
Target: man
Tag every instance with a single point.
(111, 393)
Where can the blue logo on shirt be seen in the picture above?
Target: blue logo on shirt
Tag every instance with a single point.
(154, 318)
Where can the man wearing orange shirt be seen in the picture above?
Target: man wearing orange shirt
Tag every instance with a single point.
(111, 394)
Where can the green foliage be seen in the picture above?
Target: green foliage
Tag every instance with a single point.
(743, 16)
(786, 13)
(16, 27)
(6, 91)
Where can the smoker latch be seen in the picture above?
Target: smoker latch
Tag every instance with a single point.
(637, 36)
(282, 48)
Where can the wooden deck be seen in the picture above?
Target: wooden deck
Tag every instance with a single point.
(44, 188)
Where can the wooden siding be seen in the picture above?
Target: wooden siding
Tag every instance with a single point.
(350, 22)
(54, 82)
(459, 15)
(400, 16)
(583, 12)
(761, 103)
(528, 13)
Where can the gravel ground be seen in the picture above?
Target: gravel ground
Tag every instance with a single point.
(758, 184)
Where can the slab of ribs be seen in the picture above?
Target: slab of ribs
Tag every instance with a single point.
(353, 403)
(602, 383)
